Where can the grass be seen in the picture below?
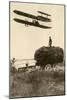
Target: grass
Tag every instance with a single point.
(37, 83)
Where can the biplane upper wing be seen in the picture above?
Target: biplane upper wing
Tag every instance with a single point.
(32, 16)
(30, 23)
(44, 13)
(44, 19)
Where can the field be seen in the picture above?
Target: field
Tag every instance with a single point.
(37, 83)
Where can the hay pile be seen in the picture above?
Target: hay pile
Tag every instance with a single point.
(48, 55)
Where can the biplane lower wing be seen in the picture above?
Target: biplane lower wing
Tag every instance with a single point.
(31, 23)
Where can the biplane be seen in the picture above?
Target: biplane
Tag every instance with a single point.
(35, 19)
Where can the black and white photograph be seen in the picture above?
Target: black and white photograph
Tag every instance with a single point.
(37, 55)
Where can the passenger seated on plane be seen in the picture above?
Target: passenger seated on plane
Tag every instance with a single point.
(36, 22)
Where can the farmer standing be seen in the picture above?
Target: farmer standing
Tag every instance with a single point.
(50, 41)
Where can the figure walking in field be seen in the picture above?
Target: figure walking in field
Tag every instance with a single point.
(50, 41)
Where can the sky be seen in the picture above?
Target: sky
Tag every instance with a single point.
(24, 41)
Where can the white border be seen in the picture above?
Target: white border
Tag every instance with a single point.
(4, 49)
